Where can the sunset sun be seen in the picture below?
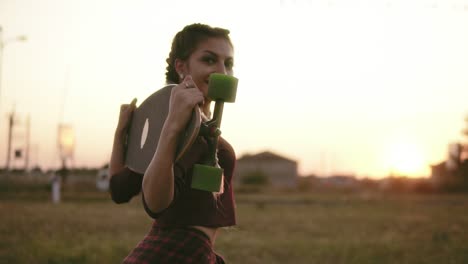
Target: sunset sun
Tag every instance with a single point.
(406, 159)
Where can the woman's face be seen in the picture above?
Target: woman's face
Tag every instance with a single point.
(214, 55)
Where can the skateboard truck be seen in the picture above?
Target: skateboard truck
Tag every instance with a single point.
(208, 175)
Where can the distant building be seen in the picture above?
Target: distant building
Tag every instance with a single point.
(440, 172)
(452, 173)
(280, 171)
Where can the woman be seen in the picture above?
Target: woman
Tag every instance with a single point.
(186, 220)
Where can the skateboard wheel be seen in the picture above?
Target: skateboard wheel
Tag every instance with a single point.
(222, 87)
(207, 178)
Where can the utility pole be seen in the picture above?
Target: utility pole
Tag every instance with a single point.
(11, 122)
(28, 137)
(3, 44)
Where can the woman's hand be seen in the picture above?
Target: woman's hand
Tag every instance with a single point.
(184, 97)
(158, 181)
(126, 112)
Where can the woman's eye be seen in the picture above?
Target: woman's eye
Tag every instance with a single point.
(209, 60)
(229, 64)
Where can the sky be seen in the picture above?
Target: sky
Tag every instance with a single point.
(363, 88)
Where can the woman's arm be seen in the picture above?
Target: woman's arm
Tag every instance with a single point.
(124, 183)
(158, 180)
(117, 161)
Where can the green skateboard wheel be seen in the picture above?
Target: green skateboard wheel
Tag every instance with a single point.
(207, 178)
(222, 87)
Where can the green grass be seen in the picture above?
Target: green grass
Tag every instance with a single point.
(272, 228)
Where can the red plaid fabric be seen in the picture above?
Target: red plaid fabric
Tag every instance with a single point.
(174, 245)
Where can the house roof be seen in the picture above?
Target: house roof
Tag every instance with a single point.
(264, 156)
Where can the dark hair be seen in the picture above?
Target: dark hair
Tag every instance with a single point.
(186, 41)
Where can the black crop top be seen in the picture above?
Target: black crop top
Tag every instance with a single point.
(190, 206)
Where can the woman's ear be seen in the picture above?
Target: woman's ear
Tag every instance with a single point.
(180, 67)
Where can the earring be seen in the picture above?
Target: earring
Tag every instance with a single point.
(181, 75)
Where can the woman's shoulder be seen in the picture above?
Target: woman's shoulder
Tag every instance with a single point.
(224, 145)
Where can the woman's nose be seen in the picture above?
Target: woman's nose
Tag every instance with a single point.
(221, 68)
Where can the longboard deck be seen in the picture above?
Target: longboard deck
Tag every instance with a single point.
(145, 129)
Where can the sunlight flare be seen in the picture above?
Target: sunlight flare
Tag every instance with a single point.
(406, 158)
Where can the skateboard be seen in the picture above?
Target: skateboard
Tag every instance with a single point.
(145, 130)
(148, 120)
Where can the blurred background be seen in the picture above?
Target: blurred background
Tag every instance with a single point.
(340, 86)
(339, 104)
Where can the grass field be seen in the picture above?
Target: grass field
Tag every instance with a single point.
(86, 227)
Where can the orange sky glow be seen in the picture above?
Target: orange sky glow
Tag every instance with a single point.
(366, 88)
